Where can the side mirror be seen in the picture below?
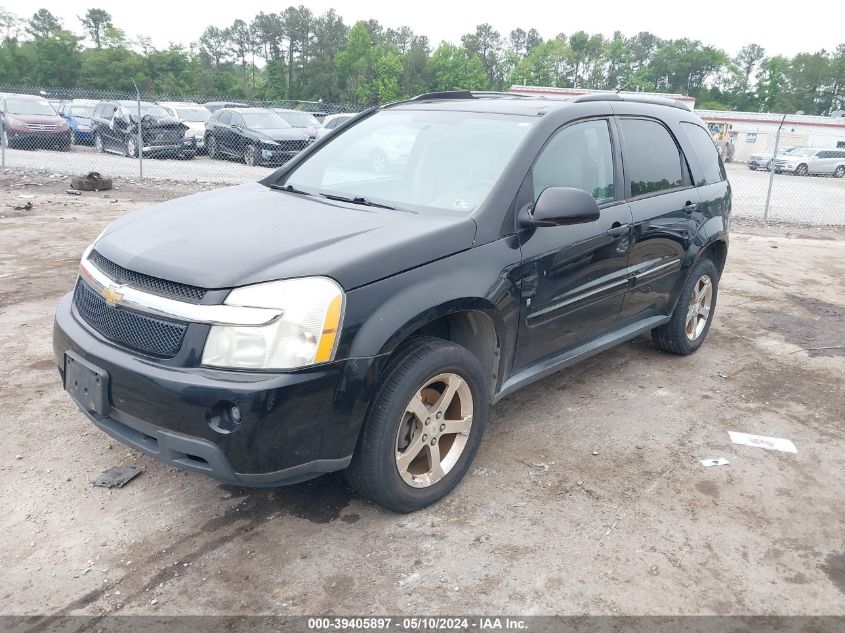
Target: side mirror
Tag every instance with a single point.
(557, 206)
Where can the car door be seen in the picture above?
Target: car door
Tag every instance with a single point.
(110, 131)
(223, 132)
(573, 277)
(666, 214)
(824, 162)
(237, 138)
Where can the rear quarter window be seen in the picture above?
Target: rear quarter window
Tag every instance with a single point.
(710, 169)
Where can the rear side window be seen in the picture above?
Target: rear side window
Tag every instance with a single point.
(652, 159)
(709, 162)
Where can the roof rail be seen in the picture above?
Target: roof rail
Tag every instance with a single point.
(632, 98)
(464, 94)
(445, 94)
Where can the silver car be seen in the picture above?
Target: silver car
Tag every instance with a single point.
(806, 161)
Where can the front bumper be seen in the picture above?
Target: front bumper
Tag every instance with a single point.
(187, 150)
(758, 163)
(294, 426)
(37, 139)
(275, 157)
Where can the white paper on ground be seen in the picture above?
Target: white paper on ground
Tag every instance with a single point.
(718, 461)
(760, 441)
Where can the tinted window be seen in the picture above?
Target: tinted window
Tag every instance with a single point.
(580, 156)
(652, 160)
(705, 151)
(823, 155)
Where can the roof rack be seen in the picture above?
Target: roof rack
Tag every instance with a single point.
(633, 98)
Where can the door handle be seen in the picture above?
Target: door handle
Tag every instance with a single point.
(689, 207)
(618, 229)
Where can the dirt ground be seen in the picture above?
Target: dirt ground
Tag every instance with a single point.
(587, 496)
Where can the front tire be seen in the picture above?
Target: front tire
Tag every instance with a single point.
(98, 144)
(131, 147)
(250, 156)
(424, 426)
(802, 170)
(839, 171)
(686, 330)
(211, 147)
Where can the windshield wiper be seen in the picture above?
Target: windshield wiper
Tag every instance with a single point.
(357, 200)
(289, 189)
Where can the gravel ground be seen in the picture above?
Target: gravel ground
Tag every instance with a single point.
(587, 496)
(807, 200)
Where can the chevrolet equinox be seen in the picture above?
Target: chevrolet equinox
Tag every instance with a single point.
(336, 316)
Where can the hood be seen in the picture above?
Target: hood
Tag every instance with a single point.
(250, 233)
(281, 134)
(52, 119)
(195, 128)
(148, 121)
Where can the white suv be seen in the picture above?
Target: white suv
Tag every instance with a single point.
(806, 161)
(193, 115)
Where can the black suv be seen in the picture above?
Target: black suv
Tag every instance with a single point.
(335, 317)
(114, 126)
(257, 136)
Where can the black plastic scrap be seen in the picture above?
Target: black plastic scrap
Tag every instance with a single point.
(116, 477)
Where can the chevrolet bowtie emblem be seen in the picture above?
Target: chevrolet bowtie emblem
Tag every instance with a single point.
(112, 295)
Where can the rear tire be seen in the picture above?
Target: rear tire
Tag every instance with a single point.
(417, 418)
(686, 330)
(839, 171)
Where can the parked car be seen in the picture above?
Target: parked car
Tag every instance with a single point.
(329, 318)
(300, 120)
(764, 160)
(193, 115)
(214, 106)
(809, 161)
(30, 122)
(78, 115)
(319, 115)
(257, 136)
(330, 123)
(115, 129)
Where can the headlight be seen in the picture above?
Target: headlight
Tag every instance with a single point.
(305, 334)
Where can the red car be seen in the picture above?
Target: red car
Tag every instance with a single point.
(30, 122)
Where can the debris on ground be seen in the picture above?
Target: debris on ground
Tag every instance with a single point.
(116, 477)
(22, 207)
(761, 441)
(717, 461)
(93, 181)
(73, 192)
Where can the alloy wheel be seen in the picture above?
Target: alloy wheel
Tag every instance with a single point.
(131, 148)
(700, 305)
(434, 430)
(250, 157)
(98, 143)
(840, 171)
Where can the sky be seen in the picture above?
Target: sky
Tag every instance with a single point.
(726, 24)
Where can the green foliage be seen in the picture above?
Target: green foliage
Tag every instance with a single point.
(294, 54)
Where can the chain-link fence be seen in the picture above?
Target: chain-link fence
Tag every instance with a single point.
(781, 168)
(191, 138)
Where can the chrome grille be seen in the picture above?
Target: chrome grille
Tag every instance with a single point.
(161, 287)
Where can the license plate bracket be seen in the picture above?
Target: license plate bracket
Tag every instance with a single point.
(87, 384)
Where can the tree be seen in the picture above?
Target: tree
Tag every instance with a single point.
(9, 23)
(452, 68)
(215, 45)
(486, 44)
(95, 23)
(43, 24)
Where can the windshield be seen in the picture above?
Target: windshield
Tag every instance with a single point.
(193, 115)
(85, 111)
(29, 106)
(415, 160)
(300, 119)
(263, 121)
